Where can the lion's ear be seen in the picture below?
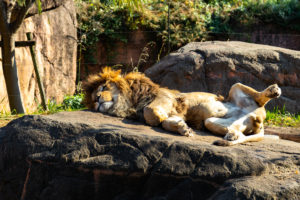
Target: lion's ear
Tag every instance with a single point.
(118, 72)
(106, 70)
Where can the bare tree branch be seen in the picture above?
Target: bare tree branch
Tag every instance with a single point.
(9, 8)
(4, 28)
(14, 25)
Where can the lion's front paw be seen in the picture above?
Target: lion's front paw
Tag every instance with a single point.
(188, 132)
(231, 136)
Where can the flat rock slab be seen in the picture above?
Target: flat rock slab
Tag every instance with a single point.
(86, 155)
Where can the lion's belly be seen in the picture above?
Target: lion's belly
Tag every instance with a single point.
(196, 115)
(243, 101)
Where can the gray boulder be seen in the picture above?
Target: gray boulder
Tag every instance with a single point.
(86, 155)
(216, 66)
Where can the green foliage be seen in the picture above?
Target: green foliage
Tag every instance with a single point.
(116, 22)
(190, 20)
(281, 117)
(129, 4)
(284, 13)
(37, 2)
(39, 5)
(187, 21)
(70, 103)
(73, 102)
(21, 2)
(96, 18)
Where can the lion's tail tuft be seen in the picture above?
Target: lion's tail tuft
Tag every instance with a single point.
(222, 143)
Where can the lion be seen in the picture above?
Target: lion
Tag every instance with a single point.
(239, 118)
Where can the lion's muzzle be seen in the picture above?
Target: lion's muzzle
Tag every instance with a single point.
(105, 106)
(104, 101)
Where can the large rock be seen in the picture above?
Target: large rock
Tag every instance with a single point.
(55, 34)
(85, 155)
(216, 66)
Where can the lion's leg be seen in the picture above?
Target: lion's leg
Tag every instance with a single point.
(250, 123)
(216, 125)
(239, 94)
(159, 109)
(273, 91)
(177, 124)
(231, 128)
(155, 116)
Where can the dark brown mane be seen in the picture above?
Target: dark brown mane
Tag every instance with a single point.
(143, 89)
(91, 84)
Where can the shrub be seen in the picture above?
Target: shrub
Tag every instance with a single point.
(190, 20)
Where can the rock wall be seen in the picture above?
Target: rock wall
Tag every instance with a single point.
(55, 34)
(268, 34)
(110, 52)
(216, 66)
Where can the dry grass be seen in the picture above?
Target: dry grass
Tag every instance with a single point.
(3, 122)
(5, 119)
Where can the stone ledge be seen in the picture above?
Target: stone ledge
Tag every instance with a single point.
(98, 156)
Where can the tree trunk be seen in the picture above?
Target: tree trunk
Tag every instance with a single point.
(11, 73)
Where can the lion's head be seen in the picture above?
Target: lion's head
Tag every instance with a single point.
(124, 96)
(107, 92)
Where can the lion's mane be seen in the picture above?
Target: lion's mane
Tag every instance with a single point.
(136, 91)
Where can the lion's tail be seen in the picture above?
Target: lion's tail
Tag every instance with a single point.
(250, 138)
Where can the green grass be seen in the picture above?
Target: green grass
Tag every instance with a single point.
(70, 103)
(283, 118)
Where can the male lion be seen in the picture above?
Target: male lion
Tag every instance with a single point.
(239, 118)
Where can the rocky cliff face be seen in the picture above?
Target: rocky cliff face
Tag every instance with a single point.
(85, 155)
(216, 66)
(56, 47)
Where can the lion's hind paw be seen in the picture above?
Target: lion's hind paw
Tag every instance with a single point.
(231, 136)
(273, 91)
(221, 143)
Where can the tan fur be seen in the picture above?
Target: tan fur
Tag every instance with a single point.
(136, 96)
(244, 119)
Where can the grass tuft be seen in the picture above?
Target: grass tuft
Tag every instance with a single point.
(283, 118)
(70, 103)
